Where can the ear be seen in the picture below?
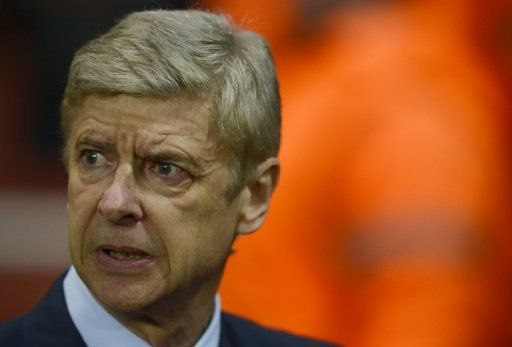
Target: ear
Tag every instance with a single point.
(256, 196)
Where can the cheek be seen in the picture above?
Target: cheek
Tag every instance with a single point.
(82, 204)
(197, 234)
(82, 197)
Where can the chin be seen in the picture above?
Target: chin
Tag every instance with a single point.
(124, 304)
(125, 294)
(128, 299)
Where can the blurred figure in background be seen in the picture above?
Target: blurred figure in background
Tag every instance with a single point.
(396, 207)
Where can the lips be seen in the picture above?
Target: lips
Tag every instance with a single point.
(124, 253)
(123, 259)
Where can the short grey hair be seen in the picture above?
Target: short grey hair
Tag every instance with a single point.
(163, 53)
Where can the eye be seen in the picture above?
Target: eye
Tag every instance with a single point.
(93, 158)
(169, 173)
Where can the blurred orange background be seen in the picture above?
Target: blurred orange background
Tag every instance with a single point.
(390, 226)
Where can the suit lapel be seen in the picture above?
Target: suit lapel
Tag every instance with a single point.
(49, 323)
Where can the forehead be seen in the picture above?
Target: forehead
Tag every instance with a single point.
(149, 118)
(133, 113)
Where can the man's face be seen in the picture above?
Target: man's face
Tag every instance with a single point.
(149, 217)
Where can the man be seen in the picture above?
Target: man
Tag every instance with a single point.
(171, 124)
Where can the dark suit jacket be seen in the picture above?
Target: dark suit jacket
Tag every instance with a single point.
(49, 325)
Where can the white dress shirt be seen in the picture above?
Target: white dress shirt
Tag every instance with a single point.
(98, 328)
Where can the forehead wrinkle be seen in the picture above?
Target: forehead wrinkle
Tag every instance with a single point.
(112, 134)
(89, 127)
(116, 105)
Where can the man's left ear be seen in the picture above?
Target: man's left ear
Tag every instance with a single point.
(256, 196)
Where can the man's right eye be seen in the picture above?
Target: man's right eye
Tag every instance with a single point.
(93, 158)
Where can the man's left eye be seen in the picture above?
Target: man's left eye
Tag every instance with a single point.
(170, 173)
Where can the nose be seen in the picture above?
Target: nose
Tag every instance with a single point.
(119, 203)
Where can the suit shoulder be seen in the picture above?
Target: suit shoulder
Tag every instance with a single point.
(241, 331)
(48, 324)
(11, 333)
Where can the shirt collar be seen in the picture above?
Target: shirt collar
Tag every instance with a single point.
(98, 328)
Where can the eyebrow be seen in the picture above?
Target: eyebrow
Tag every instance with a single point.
(170, 155)
(87, 140)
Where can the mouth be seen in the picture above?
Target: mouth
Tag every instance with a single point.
(124, 254)
(123, 259)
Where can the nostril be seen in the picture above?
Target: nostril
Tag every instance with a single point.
(121, 213)
(127, 220)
